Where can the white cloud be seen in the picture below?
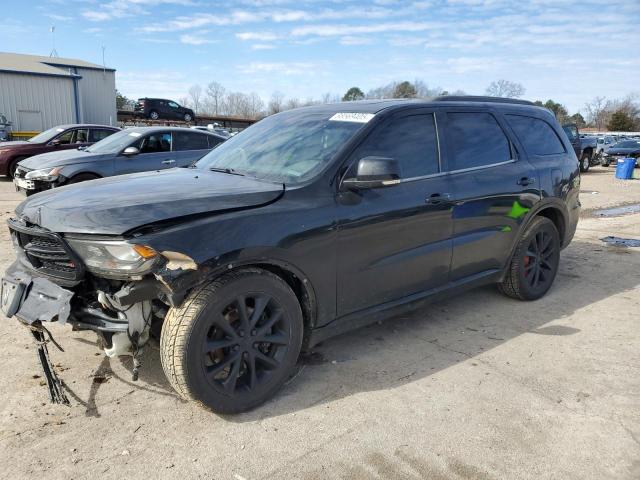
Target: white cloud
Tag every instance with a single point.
(281, 68)
(351, 40)
(199, 38)
(262, 46)
(329, 30)
(259, 36)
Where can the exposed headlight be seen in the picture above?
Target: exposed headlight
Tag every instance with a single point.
(114, 258)
(45, 174)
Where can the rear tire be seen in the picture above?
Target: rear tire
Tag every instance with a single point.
(233, 343)
(535, 262)
(153, 115)
(585, 163)
(187, 117)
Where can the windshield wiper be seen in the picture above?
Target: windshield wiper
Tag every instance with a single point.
(229, 171)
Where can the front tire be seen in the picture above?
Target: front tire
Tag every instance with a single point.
(233, 343)
(153, 115)
(11, 171)
(535, 262)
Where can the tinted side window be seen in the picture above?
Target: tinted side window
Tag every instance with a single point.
(156, 142)
(410, 140)
(214, 141)
(475, 139)
(537, 136)
(82, 136)
(190, 141)
(95, 135)
(66, 137)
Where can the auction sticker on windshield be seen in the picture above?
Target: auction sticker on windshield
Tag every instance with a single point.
(352, 117)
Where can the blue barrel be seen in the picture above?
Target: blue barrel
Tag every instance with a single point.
(624, 169)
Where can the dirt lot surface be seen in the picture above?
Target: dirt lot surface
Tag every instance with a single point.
(476, 387)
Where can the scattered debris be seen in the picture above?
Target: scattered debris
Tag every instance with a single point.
(621, 242)
(125, 453)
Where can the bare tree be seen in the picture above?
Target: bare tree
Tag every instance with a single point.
(184, 101)
(595, 109)
(195, 94)
(256, 105)
(293, 103)
(505, 88)
(215, 97)
(276, 104)
(423, 90)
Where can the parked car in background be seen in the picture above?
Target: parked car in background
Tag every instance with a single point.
(307, 224)
(571, 130)
(132, 150)
(588, 156)
(215, 128)
(161, 108)
(4, 128)
(604, 143)
(62, 137)
(623, 149)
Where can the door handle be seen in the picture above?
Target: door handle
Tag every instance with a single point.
(438, 198)
(168, 162)
(524, 181)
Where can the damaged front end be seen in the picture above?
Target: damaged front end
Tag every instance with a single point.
(102, 284)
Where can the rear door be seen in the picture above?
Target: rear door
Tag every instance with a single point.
(493, 188)
(97, 134)
(189, 146)
(395, 242)
(155, 154)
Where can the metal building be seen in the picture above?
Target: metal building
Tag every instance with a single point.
(37, 93)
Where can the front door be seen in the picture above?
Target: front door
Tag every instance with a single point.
(394, 242)
(493, 189)
(155, 154)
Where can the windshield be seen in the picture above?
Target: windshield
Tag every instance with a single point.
(289, 147)
(47, 135)
(114, 143)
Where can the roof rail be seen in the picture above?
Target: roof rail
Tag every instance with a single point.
(478, 98)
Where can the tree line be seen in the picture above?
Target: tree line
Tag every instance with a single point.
(215, 100)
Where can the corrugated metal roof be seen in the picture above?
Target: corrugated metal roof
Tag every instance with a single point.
(16, 62)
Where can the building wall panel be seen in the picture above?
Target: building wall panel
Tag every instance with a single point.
(26, 97)
(97, 94)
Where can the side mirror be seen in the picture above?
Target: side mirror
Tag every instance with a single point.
(130, 151)
(374, 172)
(55, 142)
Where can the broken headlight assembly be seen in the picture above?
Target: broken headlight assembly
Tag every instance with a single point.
(44, 174)
(115, 259)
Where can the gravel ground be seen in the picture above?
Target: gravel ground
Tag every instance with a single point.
(476, 387)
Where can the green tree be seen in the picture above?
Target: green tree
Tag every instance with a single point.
(354, 93)
(578, 119)
(123, 102)
(620, 121)
(558, 110)
(404, 90)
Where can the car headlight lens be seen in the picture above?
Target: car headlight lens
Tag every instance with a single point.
(45, 174)
(114, 258)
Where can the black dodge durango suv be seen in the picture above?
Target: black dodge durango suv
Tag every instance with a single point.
(307, 224)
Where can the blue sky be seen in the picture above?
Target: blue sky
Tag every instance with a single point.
(567, 50)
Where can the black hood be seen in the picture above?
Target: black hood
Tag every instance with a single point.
(115, 205)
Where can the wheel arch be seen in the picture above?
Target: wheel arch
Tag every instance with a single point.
(299, 283)
(554, 211)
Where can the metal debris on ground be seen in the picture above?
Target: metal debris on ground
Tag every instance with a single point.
(621, 242)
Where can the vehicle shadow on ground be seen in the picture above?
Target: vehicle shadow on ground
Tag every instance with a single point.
(408, 348)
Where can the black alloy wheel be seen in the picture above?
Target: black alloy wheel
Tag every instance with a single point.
(245, 343)
(233, 343)
(535, 262)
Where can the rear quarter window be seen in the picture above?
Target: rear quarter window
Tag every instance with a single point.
(537, 136)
